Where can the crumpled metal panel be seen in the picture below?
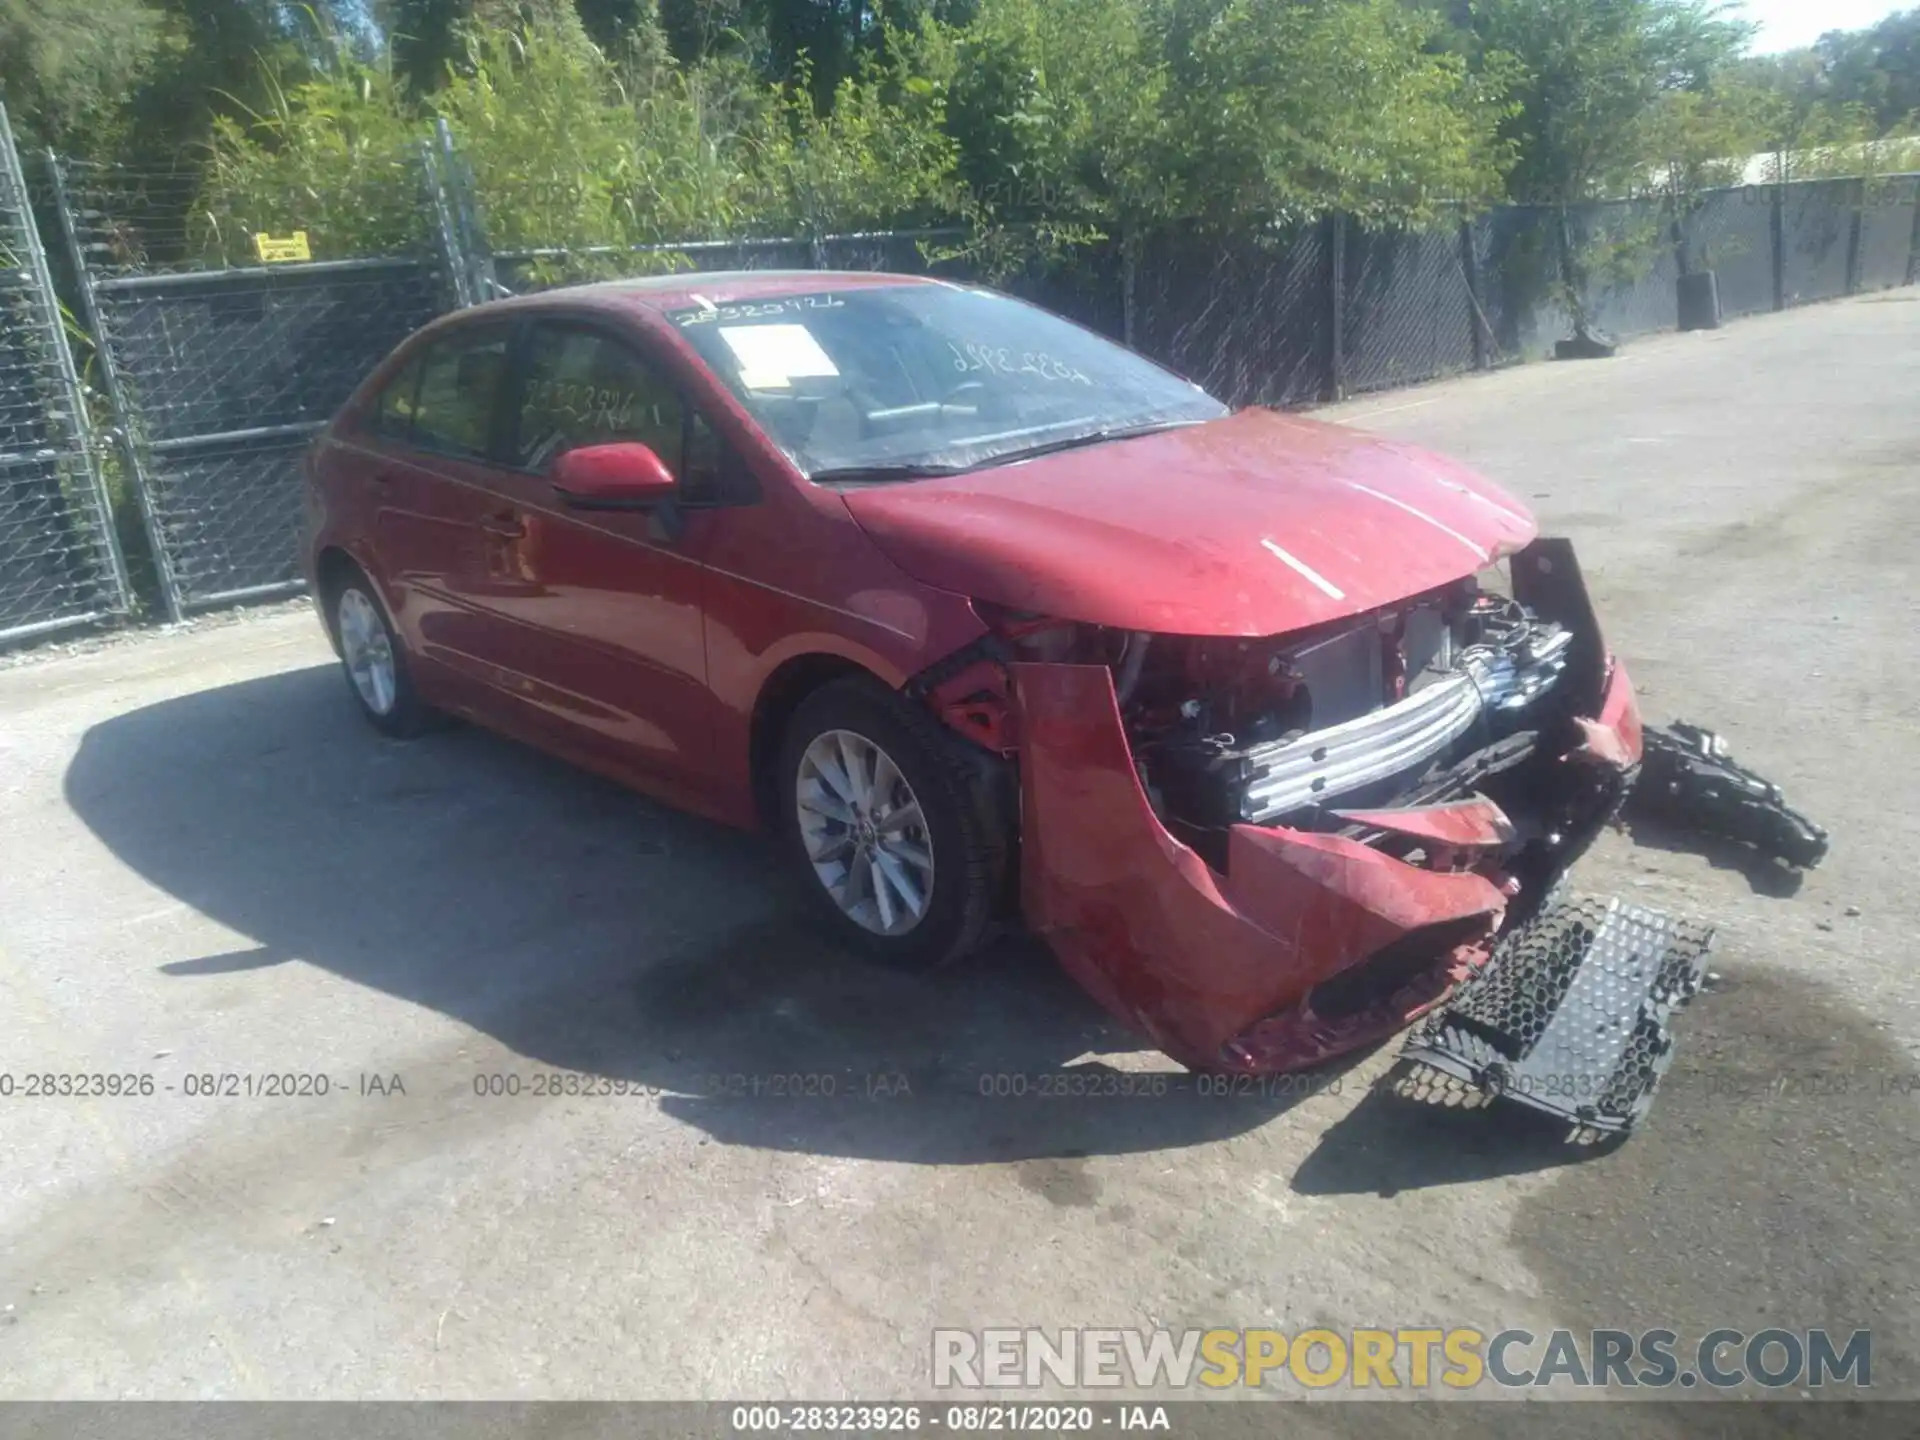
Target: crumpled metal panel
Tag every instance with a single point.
(1569, 1016)
(1213, 967)
(1473, 823)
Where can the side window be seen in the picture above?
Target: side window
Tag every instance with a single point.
(393, 416)
(586, 389)
(713, 474)
(460, 385)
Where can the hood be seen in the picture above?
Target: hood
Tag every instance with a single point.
(1255, 524)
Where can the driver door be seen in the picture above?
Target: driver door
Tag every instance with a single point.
(595, 617)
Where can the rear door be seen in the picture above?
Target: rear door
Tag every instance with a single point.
(433, 438)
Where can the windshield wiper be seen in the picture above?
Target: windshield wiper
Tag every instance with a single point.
(890, 474)
(879, 474)
(1088, 437)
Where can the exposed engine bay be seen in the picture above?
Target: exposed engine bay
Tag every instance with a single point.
(1291, 731)
(1265, 852)
(1470, 690)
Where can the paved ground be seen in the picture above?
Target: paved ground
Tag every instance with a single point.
(208, 864)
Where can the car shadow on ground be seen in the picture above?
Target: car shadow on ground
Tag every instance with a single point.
(588, 929)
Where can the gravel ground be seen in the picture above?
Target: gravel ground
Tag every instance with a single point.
(209, 865)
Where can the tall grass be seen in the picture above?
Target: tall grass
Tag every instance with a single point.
(571, 148)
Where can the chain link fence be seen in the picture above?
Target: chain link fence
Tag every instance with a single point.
(1889, 233)
(1248, 319)
(1816, 228)
(220, 372)
(220, 356)
(1730, 232)
(1087, 290)
(1407, 307)
(60, 563)
(1630, 265)
(1516, 259)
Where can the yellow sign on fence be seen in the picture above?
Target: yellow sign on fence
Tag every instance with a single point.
(279, 249)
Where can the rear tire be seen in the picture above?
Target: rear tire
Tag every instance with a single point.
(373, 659)
(890, 826)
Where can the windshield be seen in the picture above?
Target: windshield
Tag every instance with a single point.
(889, 382)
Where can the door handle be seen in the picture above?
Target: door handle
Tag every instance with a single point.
(505, 527)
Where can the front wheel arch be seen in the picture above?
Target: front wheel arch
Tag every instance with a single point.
(975, 790)
(781, 696)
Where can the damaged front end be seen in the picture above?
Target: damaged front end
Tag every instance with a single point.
(1264, 853)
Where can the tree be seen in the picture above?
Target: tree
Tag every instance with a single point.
(1295, 110)
(426, 37)
(879, 156)
(1847, 89)
(143, 80)
(1111, 112)
(611, 23)
(1693, 140)
(1052, 106)
(696, 30)
(1586, 79)
(66, 67)
(1877, 69)
(1596, 89)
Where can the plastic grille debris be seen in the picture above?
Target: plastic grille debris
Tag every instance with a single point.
(1569, 1017)
(1689, 779)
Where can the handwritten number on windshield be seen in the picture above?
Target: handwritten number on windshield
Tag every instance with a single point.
(999, 360)
(762, 310)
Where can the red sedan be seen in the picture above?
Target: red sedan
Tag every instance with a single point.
(1268, 726)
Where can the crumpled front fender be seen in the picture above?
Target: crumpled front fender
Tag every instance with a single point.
(1195, 959)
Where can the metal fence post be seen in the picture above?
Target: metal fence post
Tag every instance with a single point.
(1679, 211)
(1913, 241)
(1337, 305)
(444, 228)
(1129, 277)
(69, 377)
(1855, 222)
(124, 440)
(1476, 313)
(1777, 232)
(476, 257)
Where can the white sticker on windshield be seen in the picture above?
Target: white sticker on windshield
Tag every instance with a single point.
(773, 356)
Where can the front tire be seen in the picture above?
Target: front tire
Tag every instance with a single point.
(888, 826)
(374, 661)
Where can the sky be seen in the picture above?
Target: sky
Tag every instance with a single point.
(1789, 24)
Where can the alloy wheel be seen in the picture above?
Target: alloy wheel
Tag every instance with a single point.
(368, 652)
(864, 832)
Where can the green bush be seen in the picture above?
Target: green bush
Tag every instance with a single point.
(336, 156)
(1039, 123)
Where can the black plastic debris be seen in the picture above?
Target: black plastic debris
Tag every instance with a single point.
(1689, 780)
(1569, 1017)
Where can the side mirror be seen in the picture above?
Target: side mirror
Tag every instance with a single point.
(625, 475)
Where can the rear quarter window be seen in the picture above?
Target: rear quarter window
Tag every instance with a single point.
(462, 379)
(392, 411)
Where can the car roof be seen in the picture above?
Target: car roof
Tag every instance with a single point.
(692, 287)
